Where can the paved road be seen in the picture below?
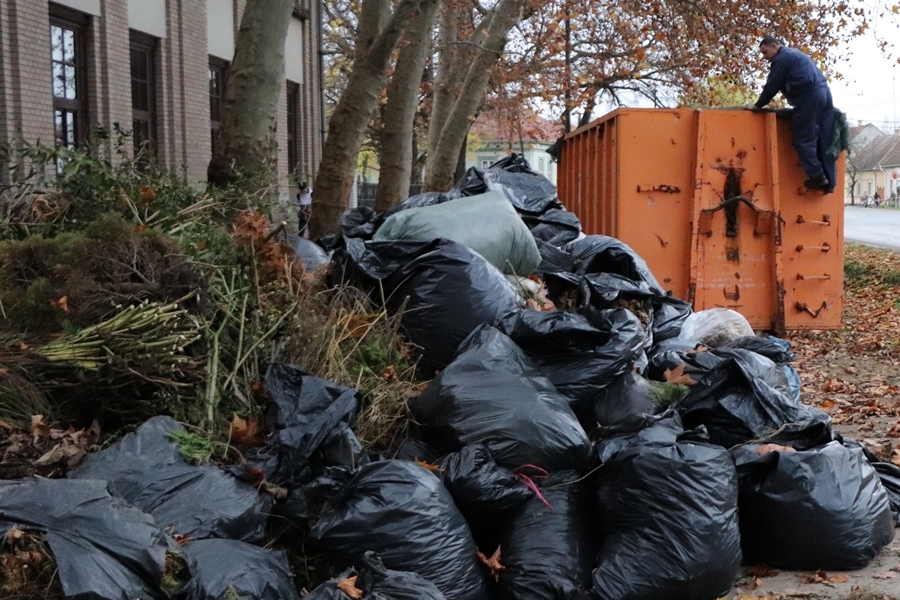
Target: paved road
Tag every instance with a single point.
(872, 226)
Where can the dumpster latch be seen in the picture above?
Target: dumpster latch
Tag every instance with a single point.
(765, 219)
(824, 247)
(826, 220)
(803, 307)
(662, 187)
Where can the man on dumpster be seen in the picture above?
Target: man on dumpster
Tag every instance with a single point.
(797, 77)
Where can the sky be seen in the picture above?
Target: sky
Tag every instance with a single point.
(870, 90)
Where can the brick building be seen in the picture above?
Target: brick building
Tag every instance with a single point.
(155, 67)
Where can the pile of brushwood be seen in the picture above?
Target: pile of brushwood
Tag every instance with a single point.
(463, 398)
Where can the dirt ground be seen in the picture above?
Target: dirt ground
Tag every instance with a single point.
(854, 374)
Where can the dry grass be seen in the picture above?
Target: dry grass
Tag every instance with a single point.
(343, 337)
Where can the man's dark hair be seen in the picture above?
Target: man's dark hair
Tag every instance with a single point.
(769, 40)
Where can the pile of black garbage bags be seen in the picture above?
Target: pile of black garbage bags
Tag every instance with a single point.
(546, 463)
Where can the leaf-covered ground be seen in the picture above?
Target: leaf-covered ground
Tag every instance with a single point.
(854, 373)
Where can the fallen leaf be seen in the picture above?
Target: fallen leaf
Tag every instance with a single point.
(427, 465)
(762, 570)
(246, 433)
(492, 562)
(754, 583)
(677, 375)
(62, 303)
(39, 427)
(766, 448)
(885, 575)
(839, 578)
(348, 586)
(148, 193)
(850, 370)
(817, 577)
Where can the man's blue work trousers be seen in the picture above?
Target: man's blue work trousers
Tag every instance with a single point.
(812, 132)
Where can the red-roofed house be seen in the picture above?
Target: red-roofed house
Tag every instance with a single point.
(492, 138)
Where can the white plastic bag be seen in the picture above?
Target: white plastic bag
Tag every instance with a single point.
(715, 327)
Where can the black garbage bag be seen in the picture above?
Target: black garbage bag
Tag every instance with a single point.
(695, 361)
(553, 259)
(310, 254)
(604, 254)
(232, 569)
(669, 514)
(823, 508)
(341, 448)
(890, 480)
(445, 290)
(629, 395)
(303, 412)
(530, 193)
(471, 183)
(493, 394)
(513, 163)
(376, 582)
(105, 548)
(776, 350)
(888, 473)
(360, 222)
(579, 356)
(482, 490)
(310, 501)
(146, 469)
(555, 226)
(738, 402)
(414, 449)
(404, 513)
(548, 544)
(764, 346)
(669, 314)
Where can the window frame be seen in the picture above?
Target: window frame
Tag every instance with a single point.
(149, 45)
(78, 23)
(292, 98)
(219, 67)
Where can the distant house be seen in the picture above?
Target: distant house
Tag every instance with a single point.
(862, 134)
(492, 138)
(875, 167)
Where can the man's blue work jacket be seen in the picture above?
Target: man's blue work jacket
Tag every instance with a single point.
(792, 73)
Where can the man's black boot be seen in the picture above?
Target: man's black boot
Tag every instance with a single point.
(817, 183)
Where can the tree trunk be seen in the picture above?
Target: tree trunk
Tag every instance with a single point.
(399, 116)
(450, 70)
(488, 40)
(347, 125)
(246, 144)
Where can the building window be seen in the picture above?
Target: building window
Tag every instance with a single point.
(217, 70)
(67, 59)
(293, 124)
(143, 94)
(541, 166)
(485, 164)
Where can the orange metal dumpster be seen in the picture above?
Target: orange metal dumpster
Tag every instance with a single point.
(714, 201)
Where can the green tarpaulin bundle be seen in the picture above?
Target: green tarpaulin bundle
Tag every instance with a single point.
(487, 223)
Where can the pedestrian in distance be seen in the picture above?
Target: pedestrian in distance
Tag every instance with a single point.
(800, 81)
(304, 207)
(877, 199)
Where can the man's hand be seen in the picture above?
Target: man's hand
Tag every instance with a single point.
(751, 106)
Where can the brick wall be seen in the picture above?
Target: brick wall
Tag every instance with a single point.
(109, 68)
(182, 62)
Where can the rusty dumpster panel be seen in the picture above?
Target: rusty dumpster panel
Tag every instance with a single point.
(713, 200)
